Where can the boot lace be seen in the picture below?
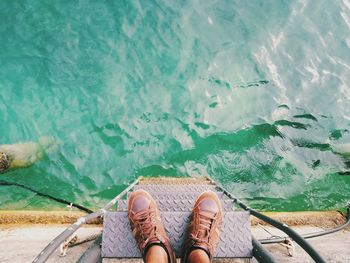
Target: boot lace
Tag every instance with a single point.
(146, 225)
(206, 221)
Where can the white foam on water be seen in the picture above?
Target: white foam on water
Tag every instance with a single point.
(313, 70)
(345, 18)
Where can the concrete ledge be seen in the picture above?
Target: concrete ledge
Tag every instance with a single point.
(324, 219)
(38, 217)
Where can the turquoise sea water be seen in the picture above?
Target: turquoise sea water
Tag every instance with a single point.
(255, 94)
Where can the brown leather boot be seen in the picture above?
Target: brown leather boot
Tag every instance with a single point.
(204, 228)
(146, 224)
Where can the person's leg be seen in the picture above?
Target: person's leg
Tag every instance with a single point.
(156, 254)
(148, 229)
(198, 256)
(204, 229)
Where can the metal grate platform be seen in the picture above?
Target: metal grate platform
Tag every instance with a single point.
(175, 198)
(235, 238)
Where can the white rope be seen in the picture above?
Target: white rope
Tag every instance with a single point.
(287, 242)
(64, 246)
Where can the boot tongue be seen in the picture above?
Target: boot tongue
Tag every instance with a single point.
(208, 209)
(202, 233)
(206, 219)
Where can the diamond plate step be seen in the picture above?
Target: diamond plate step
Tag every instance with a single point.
(174, 180)
(164, 188)
(235, 238)
(172, 205)
(179, 195)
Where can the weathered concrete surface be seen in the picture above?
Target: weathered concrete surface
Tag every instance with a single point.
(23, 243)
(334, 248)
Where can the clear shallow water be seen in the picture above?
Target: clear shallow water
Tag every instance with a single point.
(255, 94)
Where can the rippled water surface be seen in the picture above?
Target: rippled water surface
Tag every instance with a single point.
(253, 93)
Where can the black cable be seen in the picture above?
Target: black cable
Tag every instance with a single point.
(5, 183)
(314, 234)
(290, 232)
(261, 253)
(300, 239)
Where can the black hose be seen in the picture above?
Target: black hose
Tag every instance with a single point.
(5, 183)
(93, 254)
(260, 253)
(312, 235)
(290, 232)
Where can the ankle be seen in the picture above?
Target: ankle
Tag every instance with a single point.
(198, 255)
(156, 254)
